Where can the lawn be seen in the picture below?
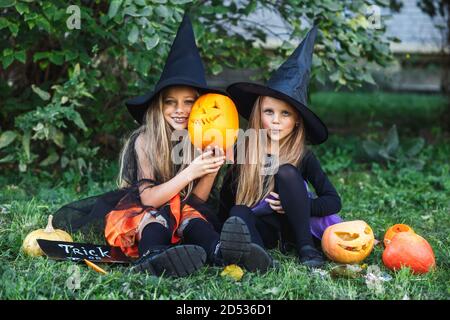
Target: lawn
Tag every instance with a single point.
(381, 195)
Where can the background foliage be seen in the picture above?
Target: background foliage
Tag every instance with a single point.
(62, 89)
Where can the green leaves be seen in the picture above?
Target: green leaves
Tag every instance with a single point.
(216, 69)
(7, 3)
(391, 141)
(180, 2)
(45, 126)
(44, 95)
(120, 51)
(151, 42)
(6, 138)
(133, 35)
(163, 12)
(114, 8)
(391, 150)
(385, 151)
(52, 158)
(8, 57)
(21, 56)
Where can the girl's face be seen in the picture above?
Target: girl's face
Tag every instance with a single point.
(278, 117)
(177, 105)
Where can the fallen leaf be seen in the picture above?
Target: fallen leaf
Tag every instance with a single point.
(272, 291)
(233, 271)
(346, 271)
(320, 272)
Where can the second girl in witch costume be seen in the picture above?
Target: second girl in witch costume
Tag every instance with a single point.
(277, 208)
(160, 214)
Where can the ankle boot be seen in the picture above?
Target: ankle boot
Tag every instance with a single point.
(177, 261)
(236, 247)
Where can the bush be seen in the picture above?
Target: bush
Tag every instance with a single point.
(66, 69)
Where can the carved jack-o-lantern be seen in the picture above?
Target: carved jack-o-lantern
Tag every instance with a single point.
(213, 121)
(348, 242)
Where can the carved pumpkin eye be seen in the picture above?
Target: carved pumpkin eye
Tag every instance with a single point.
(347, 236)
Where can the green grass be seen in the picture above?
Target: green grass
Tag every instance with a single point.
(380, 195)
(357, 110)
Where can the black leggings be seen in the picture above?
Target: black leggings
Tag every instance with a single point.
(294, 225)
(198, 232)
(201, 233)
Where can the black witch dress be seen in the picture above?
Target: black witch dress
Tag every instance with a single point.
(119, 214)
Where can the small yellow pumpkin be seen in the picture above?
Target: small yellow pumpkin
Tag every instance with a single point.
(348, 242)
(30, 245)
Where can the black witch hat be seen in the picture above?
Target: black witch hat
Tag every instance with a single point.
(289, 83)
(183, 67)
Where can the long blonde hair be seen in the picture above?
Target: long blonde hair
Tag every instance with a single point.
(156, 133)
(252, 185)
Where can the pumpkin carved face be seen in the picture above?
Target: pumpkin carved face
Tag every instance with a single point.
(392, 231)
(213, 121)
(348, 242)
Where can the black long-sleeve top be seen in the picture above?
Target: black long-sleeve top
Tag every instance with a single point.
(326, 203)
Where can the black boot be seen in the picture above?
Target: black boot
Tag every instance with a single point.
(236, 247)
(311, 257)
(177, 261)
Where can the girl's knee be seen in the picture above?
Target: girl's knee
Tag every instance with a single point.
(187, 224)
(286, 172)
(156, 226)
(158, 223)
(240, 211)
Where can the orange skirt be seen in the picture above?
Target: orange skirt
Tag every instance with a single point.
(123, 225)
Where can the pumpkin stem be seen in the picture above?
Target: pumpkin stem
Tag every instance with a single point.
(49, 227)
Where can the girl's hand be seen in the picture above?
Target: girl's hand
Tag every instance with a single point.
(218, 152)
(205, 163)
(275, 204)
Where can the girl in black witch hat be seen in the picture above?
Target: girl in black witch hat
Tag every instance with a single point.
(159, 215)
(268, 195)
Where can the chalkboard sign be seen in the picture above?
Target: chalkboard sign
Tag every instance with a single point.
(60, 250)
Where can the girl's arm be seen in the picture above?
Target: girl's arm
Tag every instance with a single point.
(227, 194)
(203, 188)
(328, 200)
(205, 183)
(158, 195)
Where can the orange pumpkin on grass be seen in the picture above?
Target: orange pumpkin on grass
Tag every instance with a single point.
(409, 250)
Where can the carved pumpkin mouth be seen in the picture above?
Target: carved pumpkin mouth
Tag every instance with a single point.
(354, 249)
